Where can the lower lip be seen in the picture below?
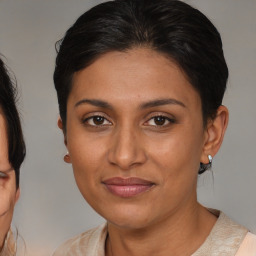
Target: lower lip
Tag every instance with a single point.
(128, 190)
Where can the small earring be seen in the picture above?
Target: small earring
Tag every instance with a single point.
(210, 161)
(204, 167)
(67, 158)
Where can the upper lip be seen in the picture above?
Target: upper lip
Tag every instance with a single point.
(119, 181)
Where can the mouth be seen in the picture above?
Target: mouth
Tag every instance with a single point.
(127, 187)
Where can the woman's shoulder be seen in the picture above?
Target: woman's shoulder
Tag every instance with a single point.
(247, 244)
(225, 238)
(234, 235)
(90, 243)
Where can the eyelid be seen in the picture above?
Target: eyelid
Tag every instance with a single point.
(92, 115)
(168, 117)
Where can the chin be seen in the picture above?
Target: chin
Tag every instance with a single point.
(128, 217)
(131, 223)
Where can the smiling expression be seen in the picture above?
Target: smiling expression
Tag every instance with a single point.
(135, 136)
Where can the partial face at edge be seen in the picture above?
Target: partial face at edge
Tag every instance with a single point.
(8, 192)
(134, 114)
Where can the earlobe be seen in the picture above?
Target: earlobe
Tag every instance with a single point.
(67, 158)
(60, 124)
(214, 134)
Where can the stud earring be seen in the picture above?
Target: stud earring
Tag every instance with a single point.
(210, 161)
(67, 158)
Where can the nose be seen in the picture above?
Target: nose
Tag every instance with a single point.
(126, 149)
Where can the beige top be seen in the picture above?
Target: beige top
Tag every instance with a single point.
(226, 239)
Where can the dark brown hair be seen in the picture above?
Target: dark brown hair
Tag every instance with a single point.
(16, 145)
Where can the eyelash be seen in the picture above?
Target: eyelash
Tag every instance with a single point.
(164, 118)
(104, 119)
(93, 118)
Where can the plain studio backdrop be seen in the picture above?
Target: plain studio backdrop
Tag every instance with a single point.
(50, 208)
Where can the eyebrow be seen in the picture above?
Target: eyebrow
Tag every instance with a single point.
(161, 102)
(150, 104)
(96, 103)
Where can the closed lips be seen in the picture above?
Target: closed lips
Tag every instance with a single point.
(127, 187)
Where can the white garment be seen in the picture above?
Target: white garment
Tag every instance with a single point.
(225, 239)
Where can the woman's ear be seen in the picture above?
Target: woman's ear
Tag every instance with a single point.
(66, 157)
(60, 125)
(214, 134)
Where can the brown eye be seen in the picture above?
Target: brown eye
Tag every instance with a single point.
(159, 120)
(96, 121)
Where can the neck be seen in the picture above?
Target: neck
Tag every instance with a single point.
(2, 241)
(188, 227)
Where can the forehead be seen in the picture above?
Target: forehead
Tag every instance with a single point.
(138, 74)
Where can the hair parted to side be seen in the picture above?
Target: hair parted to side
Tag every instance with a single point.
(16, 144)
(170, 27)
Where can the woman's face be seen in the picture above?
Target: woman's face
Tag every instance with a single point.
(8, 192)
(135, 137)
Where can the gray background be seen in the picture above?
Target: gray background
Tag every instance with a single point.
(51, 209)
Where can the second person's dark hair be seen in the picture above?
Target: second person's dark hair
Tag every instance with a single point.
(16, 144)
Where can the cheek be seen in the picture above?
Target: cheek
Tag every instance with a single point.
(7, 201)
(6, 212)
(177, 160)
(84, 148)
(177, 150)
(88, 158)
(7, 193)
(85, 153)
(177, 153)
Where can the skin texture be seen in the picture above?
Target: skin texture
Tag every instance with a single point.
(127, 140)
(8, 192)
